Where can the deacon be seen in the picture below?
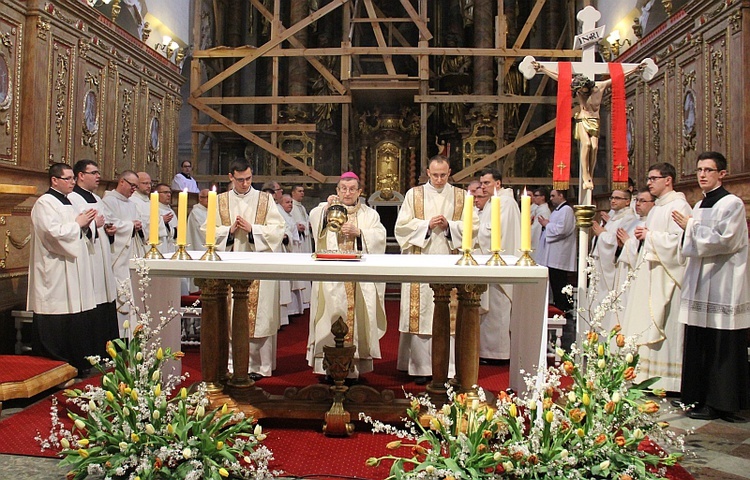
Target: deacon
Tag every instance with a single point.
(557, 247)
(97, 238)
(127, 242)
(361, 305)
(248, 221)
(715, 304)
(60, 274)
(604, 249)
(300, 288)
(651, 315)
(494, 326)
(429, 222)
(184, 178)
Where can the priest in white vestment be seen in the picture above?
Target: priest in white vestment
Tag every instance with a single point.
(302, 289)
(360, 304)
(630, 246)
(290, 304)
(651, 314)
(196, 238)
(127, 242)
(142, 199)
(248, 221)
(715, 303)
(539, 209)
(609, 274)
(60, 274)
(168, 220)
(429, 222)
(494, 325)
(105, 286)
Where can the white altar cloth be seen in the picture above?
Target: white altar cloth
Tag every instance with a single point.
(528, 318)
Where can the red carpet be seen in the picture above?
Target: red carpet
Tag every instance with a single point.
(299, 451)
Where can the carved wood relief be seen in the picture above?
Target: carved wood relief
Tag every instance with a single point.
(60, 105)
(11, 49)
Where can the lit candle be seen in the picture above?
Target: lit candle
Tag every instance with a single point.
(211, 218)
(466, 243)
(495, 232)
(182, 218)
(525, 221)
(153, 226)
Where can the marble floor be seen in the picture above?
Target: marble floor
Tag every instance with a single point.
(716, 450)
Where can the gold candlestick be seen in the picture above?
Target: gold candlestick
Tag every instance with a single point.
(466, 259)
(181, 253)
(211, 254)
(526, 260)
(496, 260)
(153, 253)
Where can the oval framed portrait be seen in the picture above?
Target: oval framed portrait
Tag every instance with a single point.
(688, 112)
(155, 133)
(629, 137)
(5, 85)
(91, 112)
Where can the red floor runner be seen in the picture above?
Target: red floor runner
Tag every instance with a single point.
(299, 451)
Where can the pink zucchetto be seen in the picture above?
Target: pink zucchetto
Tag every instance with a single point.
(349, 175)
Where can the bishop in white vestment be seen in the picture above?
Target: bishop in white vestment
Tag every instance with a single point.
(360, 304)
(248, 221)
(651, 314)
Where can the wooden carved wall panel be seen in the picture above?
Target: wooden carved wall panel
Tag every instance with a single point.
(154, 140)
(11, 46)
(90, 106)
(717, 91)
(123, 139)
(62, 71)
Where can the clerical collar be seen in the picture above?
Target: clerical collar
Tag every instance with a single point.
(186, 175)
(560, 206)
(59, 195)
(710, 198)
(429, 184)
(242, 195)
(88, 196)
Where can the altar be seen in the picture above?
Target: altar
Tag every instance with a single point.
(237, 269)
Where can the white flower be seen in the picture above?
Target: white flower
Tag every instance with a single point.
(616, 397)
(604, 465)
(150, 429)
(629, 358)
(187, 453)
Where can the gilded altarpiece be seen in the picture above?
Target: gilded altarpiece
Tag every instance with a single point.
(696, 101)
(11, 50)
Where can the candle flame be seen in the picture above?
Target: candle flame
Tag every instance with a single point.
(497, 192)
(524, 192)
(185, 190)
(213, 189)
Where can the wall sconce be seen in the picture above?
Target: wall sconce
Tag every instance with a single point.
(168, 46)
(615, 44)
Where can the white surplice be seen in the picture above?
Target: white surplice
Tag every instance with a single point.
(536, 227)
(611, 274)
(414, 236)
(167, 230)
(494, 325)
(196, 238)
(263, 299)
(360, 304)
(302, 289)
(651, 313)
(288, 302)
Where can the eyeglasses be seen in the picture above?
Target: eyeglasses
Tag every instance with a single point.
(348, 189)
(66, 179)
(639, 200)
(537, 195)
(617, 198)
(95, 172)
(164, 193)
(705, 170)
(654, 178)
(242, 180)
(278, 189)
(132, 185)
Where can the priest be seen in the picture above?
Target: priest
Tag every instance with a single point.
(715, 304)
(300, 288)
(651, 314)
(494, 326)
(609, 274)
(84, 197)
(429, 222)
(360, 304)
(290, 304)
(168, 219)
(196, 238)
(127, 242)
(60, 273)
(248, 221)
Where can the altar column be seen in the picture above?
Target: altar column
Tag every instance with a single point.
(467, 349)
(441, 338)
(214, 332)
(240, 334)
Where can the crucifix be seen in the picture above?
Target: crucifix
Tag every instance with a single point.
(587, 90)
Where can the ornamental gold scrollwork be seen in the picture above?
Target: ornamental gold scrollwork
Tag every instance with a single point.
(42, 28)
(18, 245)
(655, 118)
(717, 70)
(127, 102)
(155, 128)
(61, 89)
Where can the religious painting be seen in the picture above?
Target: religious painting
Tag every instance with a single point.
(6, 96)
(688, 122)
(655, 12)
(90, 113)
(155, 129)
(629, 137)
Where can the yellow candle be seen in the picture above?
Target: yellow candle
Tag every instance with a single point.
(182, 218)
(495, 232)
(525, 221)
(466, 243)
(211, 218)
(153, 226)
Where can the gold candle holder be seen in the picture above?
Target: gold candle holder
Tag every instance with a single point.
(496, 260)
(153, 253)
(466, 259)
(211, 254)
(584, 215)
(181, 253)
(526, 260)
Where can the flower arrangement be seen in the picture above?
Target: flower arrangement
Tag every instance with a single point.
(132, 427)
(583, 419)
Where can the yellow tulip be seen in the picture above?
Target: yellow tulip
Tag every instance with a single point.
(393, 445)
(84, 442)
(65, 443)
(586, 399)
(224, 409)
(549, 416)
(83, 453)
(219, 445)
(513, 410)
(160, 354)
(183, 393)
(600, 350)
(134, 437)
(134, 395)
(157, 390)
(223, 472)
(110, 396)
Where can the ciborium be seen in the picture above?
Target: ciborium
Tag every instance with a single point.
(336, 216)
(584, 215)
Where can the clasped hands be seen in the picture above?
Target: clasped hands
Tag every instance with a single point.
(242, 224)
(438, 221)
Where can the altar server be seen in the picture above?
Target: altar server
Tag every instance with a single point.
(494, 325)
(715, 304)
(651, 314)
(195, 236)
(302, 289)
(97, 238)
(360, 304)
(557, 247)
(128, 240)
(290, 304)
(539, 209)
(429, 222)
(60, 273)
(248, 221)
(627, 257)
(184, 178)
